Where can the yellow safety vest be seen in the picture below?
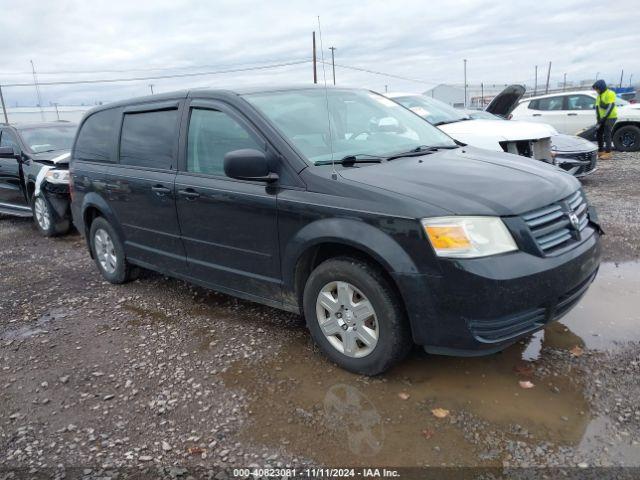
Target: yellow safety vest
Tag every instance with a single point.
(603, 101)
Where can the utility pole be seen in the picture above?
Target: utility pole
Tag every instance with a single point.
(333, 63)
(57, 113)
(482, 93)
(465, 83)
(630, 77)
(621, 75)
(597, 75)
(535, 84)
(315, 69)
(4, 108)
(35, 82)
(151, 87)
(386, 88)
(564, 83)
(546, 89)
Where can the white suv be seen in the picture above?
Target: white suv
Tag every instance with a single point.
(573, 112)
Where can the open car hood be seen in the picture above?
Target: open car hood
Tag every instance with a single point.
(56, 157)
(504, 103)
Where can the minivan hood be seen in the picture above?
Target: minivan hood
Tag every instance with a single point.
(511, 131)
(504, 103)
(470, 181)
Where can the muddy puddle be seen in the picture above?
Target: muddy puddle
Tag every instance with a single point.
(39, 327)
(302, 402)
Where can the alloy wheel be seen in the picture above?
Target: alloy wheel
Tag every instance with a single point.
(347, 319)
(42, 213)
(105, 251)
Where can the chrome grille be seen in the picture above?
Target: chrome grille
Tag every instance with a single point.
(551, 226)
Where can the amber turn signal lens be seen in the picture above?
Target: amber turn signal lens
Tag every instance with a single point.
(446, 237)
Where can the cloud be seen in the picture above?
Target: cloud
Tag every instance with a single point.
(427, 41)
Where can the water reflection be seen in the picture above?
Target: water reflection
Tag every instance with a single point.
(350, 412)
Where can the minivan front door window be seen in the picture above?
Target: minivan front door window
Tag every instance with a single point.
(213, 134)
(362, 123)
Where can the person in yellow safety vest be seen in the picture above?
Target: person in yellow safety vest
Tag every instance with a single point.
(607, 114)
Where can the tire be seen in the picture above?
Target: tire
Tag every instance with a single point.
(387, 323)
(108, 253)
(44, 219)
(627, 138)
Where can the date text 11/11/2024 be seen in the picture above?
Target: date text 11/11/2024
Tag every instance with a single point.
(315, 473)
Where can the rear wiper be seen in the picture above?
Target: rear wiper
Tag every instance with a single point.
(351, 159)
(421, 150)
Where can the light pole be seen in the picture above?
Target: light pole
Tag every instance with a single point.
(465, 83)
(151, 87)
(333, 63)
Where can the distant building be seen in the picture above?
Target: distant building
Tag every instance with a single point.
(478, 95)
(48, 114)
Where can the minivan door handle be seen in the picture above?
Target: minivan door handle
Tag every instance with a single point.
(572, 114)
(160, 190)
(189, 193)
(536, 115)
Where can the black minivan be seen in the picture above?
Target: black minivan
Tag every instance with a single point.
(338, 204)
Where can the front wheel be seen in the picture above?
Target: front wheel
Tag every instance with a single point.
(627, 138)
(45, 220)
(355, 316)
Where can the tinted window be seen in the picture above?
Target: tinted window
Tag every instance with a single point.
(551, 103)
(580, 102)
(7, 139)
(212, 134)
(148, 138)
(95, 140)
(533, 105)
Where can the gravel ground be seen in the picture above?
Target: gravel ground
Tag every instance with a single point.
(161, 378)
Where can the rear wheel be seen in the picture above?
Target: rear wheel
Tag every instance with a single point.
(355, 316)
(627, 138)
(108, 253)
(45, 220)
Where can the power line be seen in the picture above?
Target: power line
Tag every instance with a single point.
(384, 74)
(144, 69)
(160, 77)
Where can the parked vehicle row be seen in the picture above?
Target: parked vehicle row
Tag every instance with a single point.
(34, 174)
(482, 129)
(573, 112)
(338, 204)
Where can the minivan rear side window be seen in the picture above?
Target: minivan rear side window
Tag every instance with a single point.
(550, 103)
(212, 134)
(95, 139)
(149, 138)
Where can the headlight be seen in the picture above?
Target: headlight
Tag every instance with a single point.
(468, 237)
(57, 176)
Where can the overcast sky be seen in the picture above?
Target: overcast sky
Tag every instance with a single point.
(418, 40)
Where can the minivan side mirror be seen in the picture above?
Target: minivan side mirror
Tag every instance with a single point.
(248, 164)
(9, 152)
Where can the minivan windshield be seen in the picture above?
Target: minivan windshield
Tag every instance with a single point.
(49, 139)
(363, 123)
(433, 111)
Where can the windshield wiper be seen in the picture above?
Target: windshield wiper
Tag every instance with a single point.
(355, 158)
(421, 150)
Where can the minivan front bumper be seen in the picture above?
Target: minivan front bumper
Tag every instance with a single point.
(480, 306)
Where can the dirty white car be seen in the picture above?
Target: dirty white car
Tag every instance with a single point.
(572, 113)
(521, 138)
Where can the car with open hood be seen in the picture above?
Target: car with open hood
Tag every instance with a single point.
(526, 139)
(572, 113)
(338, 204)
(34, 173)
(575, 155)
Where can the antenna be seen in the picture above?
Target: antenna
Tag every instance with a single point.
(334, 173)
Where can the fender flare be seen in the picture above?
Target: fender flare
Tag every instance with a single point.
(93, 200)
(349, 232)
